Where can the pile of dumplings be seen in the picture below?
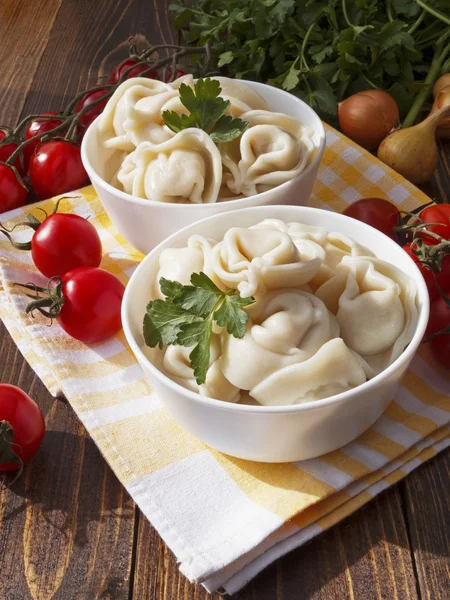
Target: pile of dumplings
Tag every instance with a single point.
(328, 315)
(188, 167)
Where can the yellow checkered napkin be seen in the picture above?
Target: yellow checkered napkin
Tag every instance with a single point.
(226, 519)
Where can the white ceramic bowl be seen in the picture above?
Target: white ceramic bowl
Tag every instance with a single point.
(145, 223)
(281, 433)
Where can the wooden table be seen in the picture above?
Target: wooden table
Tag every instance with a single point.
(68, 529)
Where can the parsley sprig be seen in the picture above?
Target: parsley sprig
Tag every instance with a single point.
(207, 111)
(186, 316)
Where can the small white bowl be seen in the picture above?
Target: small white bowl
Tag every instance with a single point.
(145, 223)
(278, 433)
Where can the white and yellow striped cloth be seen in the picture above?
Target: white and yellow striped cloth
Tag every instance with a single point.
(226, 519)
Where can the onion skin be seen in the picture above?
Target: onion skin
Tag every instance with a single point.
(368, 117)
(413, 152)
(441, 83)
(442, 98)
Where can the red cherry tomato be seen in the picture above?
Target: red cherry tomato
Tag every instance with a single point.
(92, 303)
(442, 277)
(13, 192)
(64, 242)
(56, 168)
(377, 212)
(19, 411)
(88, 99)
(5, 152)
(36, 129)
(120, 69)
(439, 213)
(439, 320)
(179, 73)
(426, 273)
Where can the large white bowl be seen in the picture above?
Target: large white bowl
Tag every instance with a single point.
(281, 433)
(145, 223)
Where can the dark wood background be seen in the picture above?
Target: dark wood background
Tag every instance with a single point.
(68, 529)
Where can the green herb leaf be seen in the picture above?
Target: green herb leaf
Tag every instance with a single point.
(199, 336)
(163, 321)
(186, 317)
(231, 315)
(227, 129)
(177, 122)
(207, 111)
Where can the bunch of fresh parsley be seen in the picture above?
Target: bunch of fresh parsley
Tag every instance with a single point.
(186, 316)
(324, 51)
(206, 111)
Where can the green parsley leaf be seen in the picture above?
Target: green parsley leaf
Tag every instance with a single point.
(227, 129)
(199, 336)
(162, 322)
(186, 317)
(207, 111)
(170, 289)
(231, 315)
(177, 122)
(204, 102)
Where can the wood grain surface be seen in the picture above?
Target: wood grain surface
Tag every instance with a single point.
(68, 529)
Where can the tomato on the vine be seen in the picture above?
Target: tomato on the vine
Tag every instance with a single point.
(442, 276)
(440, 320)
(178, 74)
(36, 129)
(64, 242)
(7, 149)
(22, 428)
(438, 213)
(56, 168)
(92, 304)
(89, 99)
(377, 212)
(13, 192)
(120, 69)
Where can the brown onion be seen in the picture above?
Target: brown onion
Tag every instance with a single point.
(368, 117)
(441, 83)
(442, 99)
(412, 151)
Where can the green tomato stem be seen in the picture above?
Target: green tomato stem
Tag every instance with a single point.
(389, 11)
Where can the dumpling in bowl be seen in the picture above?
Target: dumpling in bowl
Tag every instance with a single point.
(333, 369)
(274, 149)
(175, 363)
(375, 306)
(132, 114)
(185, 168)
(285, 327)
(253, 260)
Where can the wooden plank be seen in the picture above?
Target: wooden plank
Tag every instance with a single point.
(88, 38)
(66, 527)
(24, 31)
(427, 504)
(365, 557)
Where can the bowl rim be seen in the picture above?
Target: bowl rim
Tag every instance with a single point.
(96, 179)
(343, 397)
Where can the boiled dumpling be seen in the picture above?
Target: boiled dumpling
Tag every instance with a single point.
(375, 306)
(253, 260)
(285, 327)
(178, 264)
(336, 245)
(274, 149)
(231, 88)
(185, 168)
(177, 366)
(129, 117)
(333, 369)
